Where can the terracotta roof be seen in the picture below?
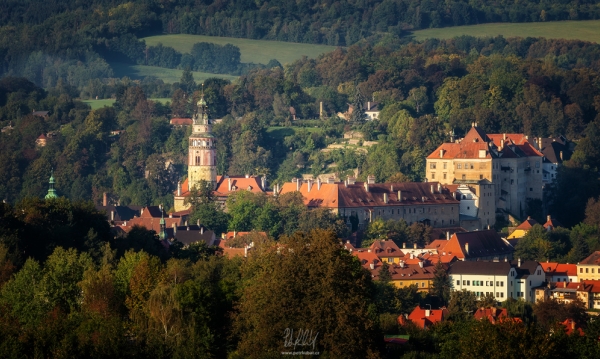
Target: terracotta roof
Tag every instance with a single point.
(491, 314)
(527, 224)
(420, 318)
(181, 121)
(516, 138)
(231, 235)
(366, 258)
(236, 252)
(42, 137)
(386, 248)
(151, 212)
(571, 327)
(437, 244)
(480, 244)
(552, 223)
(340, 195)
(252, 183)
(476, 134)
(151, 223)
(593, 258)
(444, 258)
(553, 268)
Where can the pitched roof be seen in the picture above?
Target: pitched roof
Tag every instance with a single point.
(234, 234)
(250, 183)
(553, 268)
(42, 137)
(151, 223)
(552, 223)
(527, 224)
(420, 317)
(40, 113)
(593, 258)
(386, 248)
(480, 268)
(179, 121)
(191, 234)
(487, 243)
(491, 314)
(121, 213)
(367, 258)
(552, 148)
(151, 212)
(341, 195)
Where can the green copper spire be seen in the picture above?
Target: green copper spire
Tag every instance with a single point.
(163, 230)
(51, 190)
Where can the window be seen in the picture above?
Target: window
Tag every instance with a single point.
(445, 165)
(472, 166)
(422, 284)
(480, 176)
(464, 177)
(497, 284)
(580, 270)
(433, 176)
(468, 282)
(539, 272)
(432, 165)
(586, 270)
(502, 284)
(457, 282)
(464, 282)
(530, 189)
(459, 166)
(501, 294)
(530, 283)
(444, 176)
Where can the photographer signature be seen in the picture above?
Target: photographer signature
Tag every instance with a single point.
(304, 337)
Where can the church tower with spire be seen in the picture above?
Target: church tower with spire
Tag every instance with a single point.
(202, 159)
(51, 191)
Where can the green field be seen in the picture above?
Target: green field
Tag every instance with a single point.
(96, 104)
(280, 133)
(137, 72)
(588, 30)
(256, 51)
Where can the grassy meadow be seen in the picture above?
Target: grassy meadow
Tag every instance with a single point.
(256, 51)
(96, 104)
(588, 30)
(167, 75)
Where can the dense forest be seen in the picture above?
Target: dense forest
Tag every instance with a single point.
(68, 289)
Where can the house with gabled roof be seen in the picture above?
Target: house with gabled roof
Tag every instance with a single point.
(510, 162)
(522, 229)
(493, 315)
(555, 151)
(589, 267)
(478, 245)
(427, 203)
(424, 318)
(557, 272)
(502, 279)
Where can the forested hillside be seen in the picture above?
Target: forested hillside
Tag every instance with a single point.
(539, 87)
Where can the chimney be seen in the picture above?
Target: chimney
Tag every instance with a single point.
(561, 155)
(112, 215)
(367, 186)
(351, 180)
(170, 215)
(245, 251)
(198, 222)
(414, 245)
(540, 143)
(372, 265)
(467, 248)
(371, 179)
(318, 183)
(401, 264)
(423, 198)
(432, 189)
(447, 235)
(564, 284)
(369, 106)
(229, 184)
(331, 180)
(549, 218)
(174, 229)
(202, 230)
(309, 184)
(399, 196)
(441, 153)
(439, 189)
(504, 136)
(420, 264)
(179, 189)
(263, 183)
(391, 188)
(234, 234)
(104, 199)
(247, 175)
(321, 109)
(519, 263)
(403, 245)
(385, 198)
(427, 312)
(298, 184)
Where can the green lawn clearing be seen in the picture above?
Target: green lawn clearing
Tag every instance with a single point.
(256, 51)
(96, 104)
(588, 30)
(137, 72)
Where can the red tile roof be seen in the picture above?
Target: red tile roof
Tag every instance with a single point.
(593, 258)
(179, 121)
(420, 318)
(491, 314)
(572, 327)
(386, 248)
(340, 195)
(367, 258)
(553, 268)
(527, 224)
(252, 183)
(552, 223)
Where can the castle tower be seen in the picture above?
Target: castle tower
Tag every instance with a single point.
(51, 190)
(202, 159)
